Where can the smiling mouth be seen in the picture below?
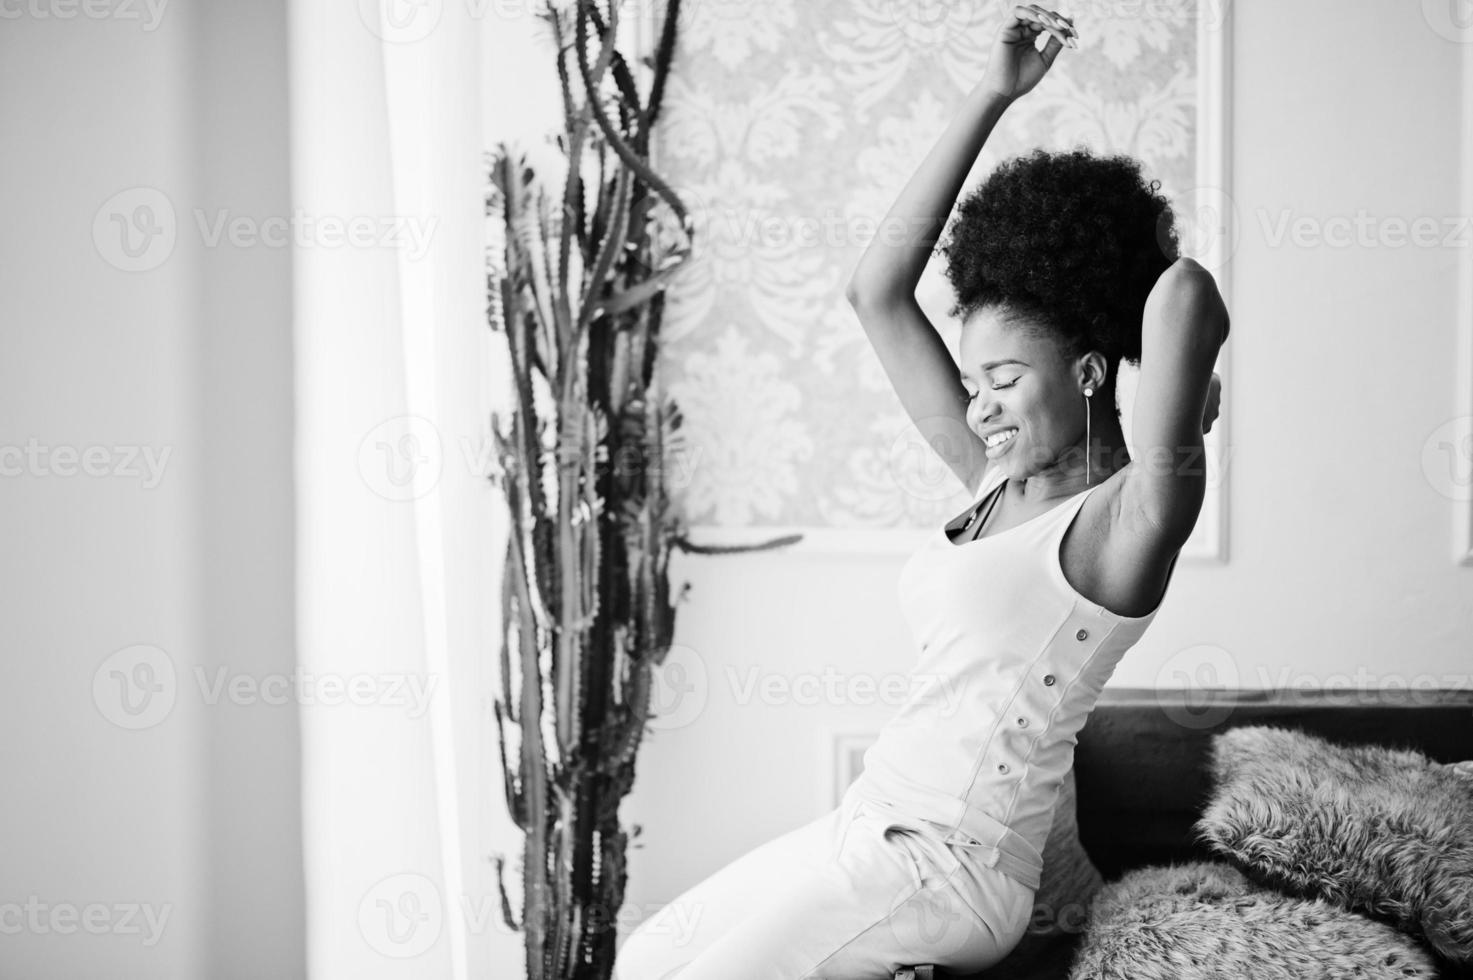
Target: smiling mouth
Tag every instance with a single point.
(1000, 439)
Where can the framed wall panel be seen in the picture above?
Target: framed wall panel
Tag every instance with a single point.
(789, 128)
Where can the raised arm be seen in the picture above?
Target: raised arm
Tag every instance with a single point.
(1185, 323)
(882, 286)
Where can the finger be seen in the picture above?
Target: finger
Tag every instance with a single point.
(1020, 24)
(1030, 23)
(1051, 50)
(1035, 20)
(1053, 18)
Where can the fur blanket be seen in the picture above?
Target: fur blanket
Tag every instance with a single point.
(1381, 830)
(1207, 920)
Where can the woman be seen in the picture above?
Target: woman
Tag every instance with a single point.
(1063, 264)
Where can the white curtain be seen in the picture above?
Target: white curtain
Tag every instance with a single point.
(400, 532)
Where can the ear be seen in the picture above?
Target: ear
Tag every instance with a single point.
(1094, 370)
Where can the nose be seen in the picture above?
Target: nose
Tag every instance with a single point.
(982, 409)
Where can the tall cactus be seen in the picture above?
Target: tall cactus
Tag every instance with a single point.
(578, 293)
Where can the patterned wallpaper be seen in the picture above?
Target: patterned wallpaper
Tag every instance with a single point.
(789, 127)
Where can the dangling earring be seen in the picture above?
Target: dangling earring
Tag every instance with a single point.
(1087, 393)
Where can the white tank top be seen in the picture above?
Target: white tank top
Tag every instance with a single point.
(1011, 662)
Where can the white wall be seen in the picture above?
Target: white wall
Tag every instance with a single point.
(1343, 362)
(195, 816)
(243, 334)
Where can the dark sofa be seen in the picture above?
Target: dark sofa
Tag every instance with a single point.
(1141, 764)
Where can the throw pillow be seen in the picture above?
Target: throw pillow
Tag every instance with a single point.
(1381, 830)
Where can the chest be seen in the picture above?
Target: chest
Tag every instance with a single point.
(1097, 557)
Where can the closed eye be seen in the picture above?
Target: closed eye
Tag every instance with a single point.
(971, 397)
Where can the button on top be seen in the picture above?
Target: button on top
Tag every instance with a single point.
(1082, 634)
(1002, 767)
(1022, 722)
(1048, 679)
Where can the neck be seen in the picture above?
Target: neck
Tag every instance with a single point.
(1066, 475)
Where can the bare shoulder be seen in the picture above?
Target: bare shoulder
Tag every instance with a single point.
(1115, 558)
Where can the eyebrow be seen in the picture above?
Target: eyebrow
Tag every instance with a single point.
(992, 364)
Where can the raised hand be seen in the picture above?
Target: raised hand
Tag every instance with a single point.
(1017, 64)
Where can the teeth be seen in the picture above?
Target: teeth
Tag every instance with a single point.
(1000, 438)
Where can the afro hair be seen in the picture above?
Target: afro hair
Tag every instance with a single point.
(1067, 241)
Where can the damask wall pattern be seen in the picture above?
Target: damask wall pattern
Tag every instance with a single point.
(789, 128)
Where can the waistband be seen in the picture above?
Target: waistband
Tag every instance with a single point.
(964, 823)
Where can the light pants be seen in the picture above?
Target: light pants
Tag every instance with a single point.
(853, 895)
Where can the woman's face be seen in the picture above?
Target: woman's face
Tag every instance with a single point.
(1019, 381)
